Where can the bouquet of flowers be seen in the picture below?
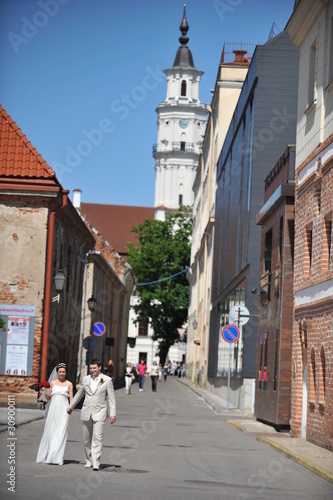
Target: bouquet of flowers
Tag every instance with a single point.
(43, 386)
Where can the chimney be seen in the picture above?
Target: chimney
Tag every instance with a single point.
(77, 199)
(239, 56)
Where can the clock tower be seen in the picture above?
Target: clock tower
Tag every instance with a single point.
(181, 127)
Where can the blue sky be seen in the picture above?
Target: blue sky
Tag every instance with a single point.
(83, 78)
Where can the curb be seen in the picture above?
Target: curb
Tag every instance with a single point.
(235, 424)
(324, 473)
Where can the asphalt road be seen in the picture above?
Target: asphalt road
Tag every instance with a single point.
(168, 445)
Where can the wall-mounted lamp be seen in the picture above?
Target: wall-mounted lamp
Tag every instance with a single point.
(262, 291)
(91, 303)
(195, 324)
(59, 281)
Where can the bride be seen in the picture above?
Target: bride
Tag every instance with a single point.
(52, 445)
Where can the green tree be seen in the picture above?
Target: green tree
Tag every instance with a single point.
(160, 258)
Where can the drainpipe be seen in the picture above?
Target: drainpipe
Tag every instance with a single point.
(48, 284)
(84, 301)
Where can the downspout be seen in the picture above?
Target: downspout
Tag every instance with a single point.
(48, 284)
(85, 261)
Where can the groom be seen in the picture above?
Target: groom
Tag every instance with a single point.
(98, 403)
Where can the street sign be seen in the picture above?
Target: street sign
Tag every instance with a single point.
(239, 315)
(99, 329)
(230, 334)
(89, 343)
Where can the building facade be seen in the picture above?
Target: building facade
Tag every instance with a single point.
(275, 294)
(263, 123)
(311, 29)
(229, 81)
(42, 237)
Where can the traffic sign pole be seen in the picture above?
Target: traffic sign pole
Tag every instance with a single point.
(229, 369)
(231, 334)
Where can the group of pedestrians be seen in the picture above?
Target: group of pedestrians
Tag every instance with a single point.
(157, 372)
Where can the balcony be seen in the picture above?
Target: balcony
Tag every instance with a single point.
(187, 147)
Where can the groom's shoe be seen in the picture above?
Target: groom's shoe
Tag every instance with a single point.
(88, 463)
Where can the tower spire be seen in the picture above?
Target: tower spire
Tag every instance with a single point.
(184, 27)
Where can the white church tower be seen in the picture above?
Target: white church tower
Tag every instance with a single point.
(181, 127)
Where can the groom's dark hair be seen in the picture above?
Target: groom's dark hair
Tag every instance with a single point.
(95, 362)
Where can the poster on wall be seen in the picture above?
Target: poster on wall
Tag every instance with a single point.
(16, 360)
(17, 339)
(18, 330)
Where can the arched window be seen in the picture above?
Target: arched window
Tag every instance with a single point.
(180, 194)
(183, 88)
(322, 377)
(312, 384)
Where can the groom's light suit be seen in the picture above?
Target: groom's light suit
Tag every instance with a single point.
(99, 403)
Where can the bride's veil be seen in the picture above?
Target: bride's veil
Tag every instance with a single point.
(52, 377)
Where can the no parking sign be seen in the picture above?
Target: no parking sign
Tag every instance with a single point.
(230, 334)
(99, 329)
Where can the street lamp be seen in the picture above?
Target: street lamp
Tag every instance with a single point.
(91, 303)
(59, 281)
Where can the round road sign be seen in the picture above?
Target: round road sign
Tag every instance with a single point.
(230, 334)
(89, 343)
(240, 312)
(99, 329)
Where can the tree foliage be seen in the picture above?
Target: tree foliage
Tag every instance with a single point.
(163, 250)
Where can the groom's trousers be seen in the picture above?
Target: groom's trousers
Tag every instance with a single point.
(93, 440)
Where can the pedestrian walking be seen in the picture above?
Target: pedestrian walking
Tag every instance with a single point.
(109, 369)
(165, 372)
(154, 375)
(129, 376)
(99, 402)
(52, 445)
(141, 371)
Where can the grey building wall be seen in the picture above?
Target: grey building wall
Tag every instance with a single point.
(264, 123)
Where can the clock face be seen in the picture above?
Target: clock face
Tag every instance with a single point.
(183, 123)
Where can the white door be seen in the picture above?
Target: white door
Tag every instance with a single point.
(304, 401)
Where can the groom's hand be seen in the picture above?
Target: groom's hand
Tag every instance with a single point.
(112, 420)
(69, 411)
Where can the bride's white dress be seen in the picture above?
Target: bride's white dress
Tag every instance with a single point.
(52, 445)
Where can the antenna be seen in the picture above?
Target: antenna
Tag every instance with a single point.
(273, 32)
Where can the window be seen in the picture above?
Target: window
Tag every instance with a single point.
(327, 242)
(322, 377)
(142, 355)
(268, 261)
(276, 360)
(143, 330)
(330, 63)
(312, 384)
(308, 251)
(182, 145)
(180, 194)
(312, 74)
(183, 88)
(281, 241)
(263, 361)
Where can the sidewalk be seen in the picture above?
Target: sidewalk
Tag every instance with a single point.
(317, 459)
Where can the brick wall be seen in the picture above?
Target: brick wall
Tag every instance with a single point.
(313, 319)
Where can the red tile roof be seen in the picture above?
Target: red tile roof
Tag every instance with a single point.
(115, 222)
(18, 157)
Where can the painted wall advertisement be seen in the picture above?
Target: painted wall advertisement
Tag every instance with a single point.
(17, 339)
